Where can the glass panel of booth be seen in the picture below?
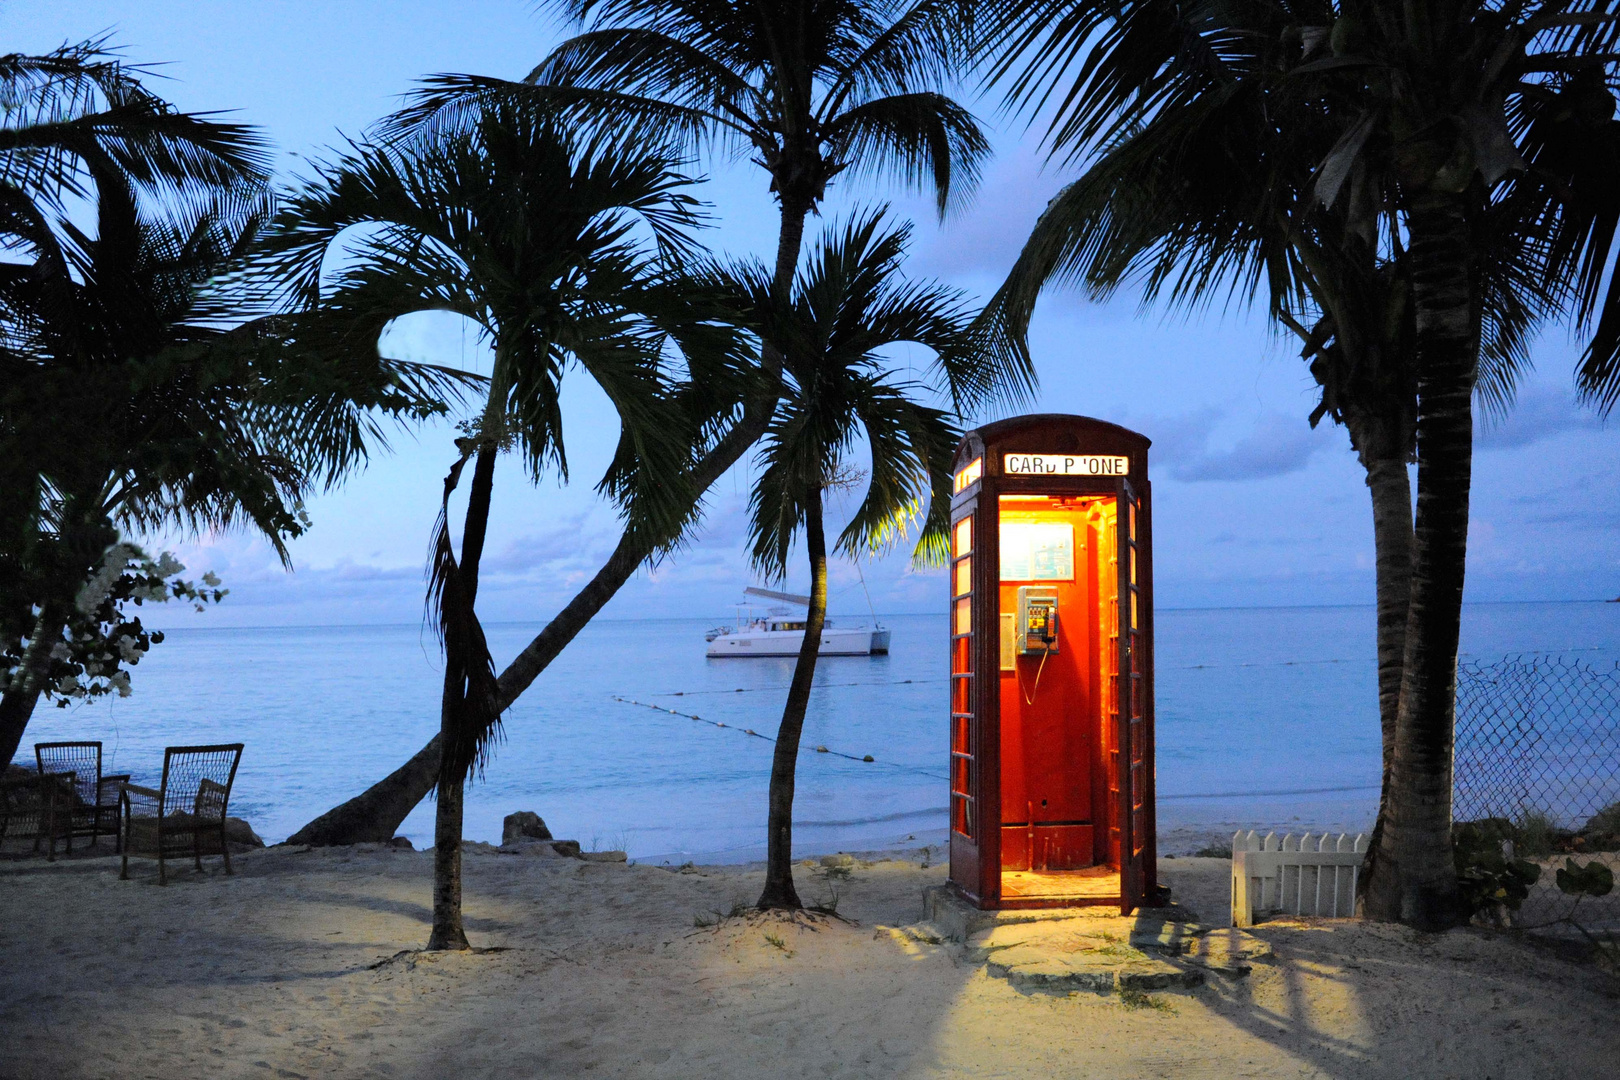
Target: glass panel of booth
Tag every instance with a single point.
(962, 768)
(969, 475)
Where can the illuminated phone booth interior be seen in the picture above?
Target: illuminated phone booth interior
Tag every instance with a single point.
(1052, 666)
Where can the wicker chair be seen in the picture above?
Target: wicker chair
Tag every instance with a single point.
(36, 806)
(95, 810)
(186, 816)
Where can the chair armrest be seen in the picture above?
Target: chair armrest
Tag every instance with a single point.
(148, 800)
(109, 786)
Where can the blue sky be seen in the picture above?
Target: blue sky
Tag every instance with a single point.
(1253, 508)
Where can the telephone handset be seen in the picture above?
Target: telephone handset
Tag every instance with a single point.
(1037, 630)
(1037, 620)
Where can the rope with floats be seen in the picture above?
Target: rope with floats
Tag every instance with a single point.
(863, 758)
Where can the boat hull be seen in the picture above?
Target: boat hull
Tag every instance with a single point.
(835, 641)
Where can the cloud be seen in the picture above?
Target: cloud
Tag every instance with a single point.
(1276, 446)
(1541, 412)
(568, 540)
(988, 237)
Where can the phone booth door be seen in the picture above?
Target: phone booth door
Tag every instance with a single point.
(1128, 770)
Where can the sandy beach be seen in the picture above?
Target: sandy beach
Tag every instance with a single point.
(299, 966)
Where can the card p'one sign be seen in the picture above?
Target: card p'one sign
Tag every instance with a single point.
(1016, 464)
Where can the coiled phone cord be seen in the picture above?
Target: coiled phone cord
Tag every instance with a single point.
(1030, 700)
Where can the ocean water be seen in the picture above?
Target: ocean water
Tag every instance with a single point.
(1266, 717)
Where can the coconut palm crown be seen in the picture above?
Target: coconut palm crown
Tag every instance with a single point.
(132, 397)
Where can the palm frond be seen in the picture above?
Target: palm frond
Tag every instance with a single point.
(928, 139)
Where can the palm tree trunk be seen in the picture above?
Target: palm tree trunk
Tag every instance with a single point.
(17, 703)
(447, 929)
(376, 813)
(789, 241)
(374, 816)
(1391, 490)
(779, 891)
(1414, 880)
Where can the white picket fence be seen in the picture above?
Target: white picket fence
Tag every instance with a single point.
(1302, 875)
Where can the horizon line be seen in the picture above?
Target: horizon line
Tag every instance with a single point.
(888, 614)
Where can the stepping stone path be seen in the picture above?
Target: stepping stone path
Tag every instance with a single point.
(1103, 953)
(1089, 948)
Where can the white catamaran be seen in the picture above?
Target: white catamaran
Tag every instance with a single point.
(780, 632)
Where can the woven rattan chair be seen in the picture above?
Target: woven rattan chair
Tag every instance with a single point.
(186, 816)
(95, 808)
(37, 807)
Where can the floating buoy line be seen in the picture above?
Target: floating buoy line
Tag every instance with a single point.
(814, 686)
(864, 758)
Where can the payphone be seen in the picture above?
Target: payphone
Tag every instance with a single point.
(1037, 620)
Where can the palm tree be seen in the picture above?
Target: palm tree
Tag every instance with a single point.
(808, 91)
(847, 304)
(1228, 143)
(1449, 97)
(127, 401)
(530, 233)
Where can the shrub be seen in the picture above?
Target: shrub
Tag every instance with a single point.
(1488, 879)
(1602, 830)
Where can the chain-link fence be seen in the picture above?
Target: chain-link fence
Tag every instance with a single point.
(1538, 750)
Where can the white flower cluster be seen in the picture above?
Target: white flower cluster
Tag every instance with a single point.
(113, 561)
(166, 567)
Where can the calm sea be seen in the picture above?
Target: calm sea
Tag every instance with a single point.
(1267, 717)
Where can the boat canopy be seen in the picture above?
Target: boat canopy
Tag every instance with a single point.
(769, 594)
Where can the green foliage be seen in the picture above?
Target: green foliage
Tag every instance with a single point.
(1534, 833)
(1593, 879)
(849, 303)
(534, 234)
(1132, 998)
(1486, 877)
(130, 398)
(1602, 831)
(808, 91)
(104, 638)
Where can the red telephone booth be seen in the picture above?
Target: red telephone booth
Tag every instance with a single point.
(1052, 666)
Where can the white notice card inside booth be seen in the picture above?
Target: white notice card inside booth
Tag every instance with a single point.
(1037, 551)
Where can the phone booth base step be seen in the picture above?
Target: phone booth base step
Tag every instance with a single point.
(1093, 949)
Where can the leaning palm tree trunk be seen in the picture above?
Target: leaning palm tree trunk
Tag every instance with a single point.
(1414, 879)
(779, 891)
(20, 697)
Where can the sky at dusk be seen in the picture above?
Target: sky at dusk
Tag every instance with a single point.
(1253, 507)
